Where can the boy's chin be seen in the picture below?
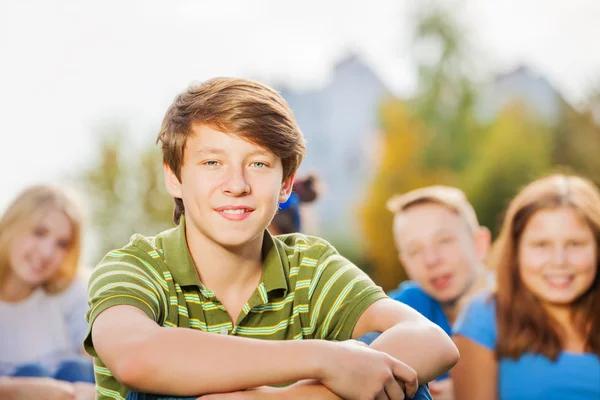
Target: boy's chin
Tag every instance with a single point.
(447, 297)
(235, 240)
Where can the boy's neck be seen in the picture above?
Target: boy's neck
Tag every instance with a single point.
(453, 309)
(226, 270)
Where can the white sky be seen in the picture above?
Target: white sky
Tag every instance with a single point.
(66, 66)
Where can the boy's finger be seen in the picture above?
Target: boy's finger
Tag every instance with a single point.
(407, 375)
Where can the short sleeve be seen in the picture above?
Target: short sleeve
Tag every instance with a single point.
(74, 305)
(339, 294)
(477, 321)
(126, 277)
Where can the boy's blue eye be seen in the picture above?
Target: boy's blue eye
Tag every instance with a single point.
(211, 163)
(259, 164)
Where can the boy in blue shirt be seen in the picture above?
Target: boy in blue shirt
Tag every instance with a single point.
(442, 247)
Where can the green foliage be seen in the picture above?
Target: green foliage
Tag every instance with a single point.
(517, 149)
(125, 192)
(576, 141)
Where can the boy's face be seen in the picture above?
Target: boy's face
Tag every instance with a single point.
(231, 188)
(438, 250)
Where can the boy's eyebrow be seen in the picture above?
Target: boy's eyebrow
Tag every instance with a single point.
(215, 150)
(210, 150)
(260, 152)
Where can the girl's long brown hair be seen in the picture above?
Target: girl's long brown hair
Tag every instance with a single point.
(523, 324)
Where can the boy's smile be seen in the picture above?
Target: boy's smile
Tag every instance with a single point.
(230, 187)
(235, 213)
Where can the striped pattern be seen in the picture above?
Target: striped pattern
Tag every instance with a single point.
(322, 297)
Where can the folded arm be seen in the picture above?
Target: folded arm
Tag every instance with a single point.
(248, 362)
(409, 337)
(406, 335)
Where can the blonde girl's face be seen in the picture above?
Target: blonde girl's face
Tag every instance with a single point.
(558, 256)
(37, 254)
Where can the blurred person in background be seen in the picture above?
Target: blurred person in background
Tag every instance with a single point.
(537, 335)
(289, 216)
(43, 301)
(442, 248)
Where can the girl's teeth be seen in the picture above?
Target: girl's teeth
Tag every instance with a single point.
(558, 280)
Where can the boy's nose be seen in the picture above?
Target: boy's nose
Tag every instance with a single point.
(235, 183)
(432, 257)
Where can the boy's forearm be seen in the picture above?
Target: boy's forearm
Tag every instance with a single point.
(215, 363)
(423, 346)
(310, 390)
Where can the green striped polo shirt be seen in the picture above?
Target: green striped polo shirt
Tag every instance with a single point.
(307, 291)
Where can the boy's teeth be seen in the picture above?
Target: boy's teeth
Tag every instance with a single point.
(238, 211)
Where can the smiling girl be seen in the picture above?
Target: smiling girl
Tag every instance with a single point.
(538, 335)
(42, 302)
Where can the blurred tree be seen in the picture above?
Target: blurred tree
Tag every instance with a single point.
(517, 150)
(400, 170)
(446, 96)
(576, 139)
(125, 192)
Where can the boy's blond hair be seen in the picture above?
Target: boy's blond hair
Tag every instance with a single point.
(241, 107)
(449, 197)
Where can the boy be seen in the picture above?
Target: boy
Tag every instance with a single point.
(442, 248)
(230, 149)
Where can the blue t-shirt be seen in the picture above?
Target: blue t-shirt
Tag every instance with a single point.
(412, 295)
(533, 376)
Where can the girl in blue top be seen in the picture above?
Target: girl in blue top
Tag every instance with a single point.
(538, 335)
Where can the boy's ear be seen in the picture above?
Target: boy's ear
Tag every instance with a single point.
(401, 258)
(171, 181)
(483, 241)
(286, 188)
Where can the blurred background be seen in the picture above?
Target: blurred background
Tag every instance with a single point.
(391, 96)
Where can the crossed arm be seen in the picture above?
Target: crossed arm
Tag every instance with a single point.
(407, 336)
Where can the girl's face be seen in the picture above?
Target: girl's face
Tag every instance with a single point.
(558, 256)
(38, 254)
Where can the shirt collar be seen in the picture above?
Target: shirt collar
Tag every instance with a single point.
(183, 269)
(178, 257)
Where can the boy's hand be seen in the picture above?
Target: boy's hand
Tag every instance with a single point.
(355, 371)
(442, 390)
